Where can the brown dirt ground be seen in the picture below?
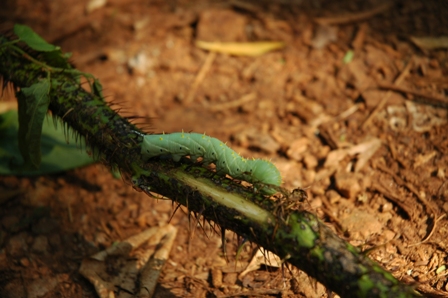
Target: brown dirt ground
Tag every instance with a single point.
(367, 139)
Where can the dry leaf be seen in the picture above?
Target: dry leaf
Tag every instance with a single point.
(261, 258)
(241, 48)
(430, 43)
(120, 265)
(94, 5)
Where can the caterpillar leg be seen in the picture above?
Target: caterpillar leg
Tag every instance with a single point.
(176, 157)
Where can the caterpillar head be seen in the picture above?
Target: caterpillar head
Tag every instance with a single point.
(265, 172)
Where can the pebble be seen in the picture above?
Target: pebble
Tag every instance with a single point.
(40, 244)
(12, 182)
(333, 196)
(230, 278)
(445, 207)
(335, 157)
(255, 138)
(40, 287)
(45, 226)
(262, 276)
(266, 143)
(141, 221)
(217, 278)
(317, 190)
(387, 207)
(388, 235)
(347, 185)
(295, 286)
(41, 195)
(247, 280)
(9, 222)
(3, 259)
(322, 152)
(316, 203)
(221, 24)
(25, 262)
(310, 161)
(360, 224)
(16, 246)
(102, 239)
(14, 289)
(297, 148)
(54, 240)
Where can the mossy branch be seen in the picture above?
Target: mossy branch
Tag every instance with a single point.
(278, 224)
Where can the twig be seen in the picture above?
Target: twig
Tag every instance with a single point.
(354, 17)
(398, 180)
(117, 229)
(328, 137)
(392, 197)
(347, 112)
(233, 104)
(360, 37)
(150, 273)
(430, 233)
(383, 101)
(439, 192)
(106, 229)
(326, 134)
(200, 77)
(69, 210)
(434, 99)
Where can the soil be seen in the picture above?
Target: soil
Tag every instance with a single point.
(367, 136)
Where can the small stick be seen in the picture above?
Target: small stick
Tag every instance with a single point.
(383, 102)
(388, 194)
(234, 104)
(354, 17)
(200, 77)
(70, 216)
(106, 229)
(398, 180)
(151, 271)
(434, 99)
(430, 233)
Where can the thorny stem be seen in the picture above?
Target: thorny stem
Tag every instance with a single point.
(278, 224)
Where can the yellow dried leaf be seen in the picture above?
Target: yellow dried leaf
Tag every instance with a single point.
(430, 43)
(241, 48)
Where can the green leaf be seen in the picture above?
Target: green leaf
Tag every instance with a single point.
(33, 106)
(52, 55)
(67, 55)
(348, 57)
(55, 59)
(33, 40)
(60, 151)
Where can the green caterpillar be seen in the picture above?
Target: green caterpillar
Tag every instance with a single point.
(214, 151)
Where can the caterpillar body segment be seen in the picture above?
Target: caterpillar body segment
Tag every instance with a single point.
(196, 145)
(215, 148)
(178, 148)
(211, 150)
